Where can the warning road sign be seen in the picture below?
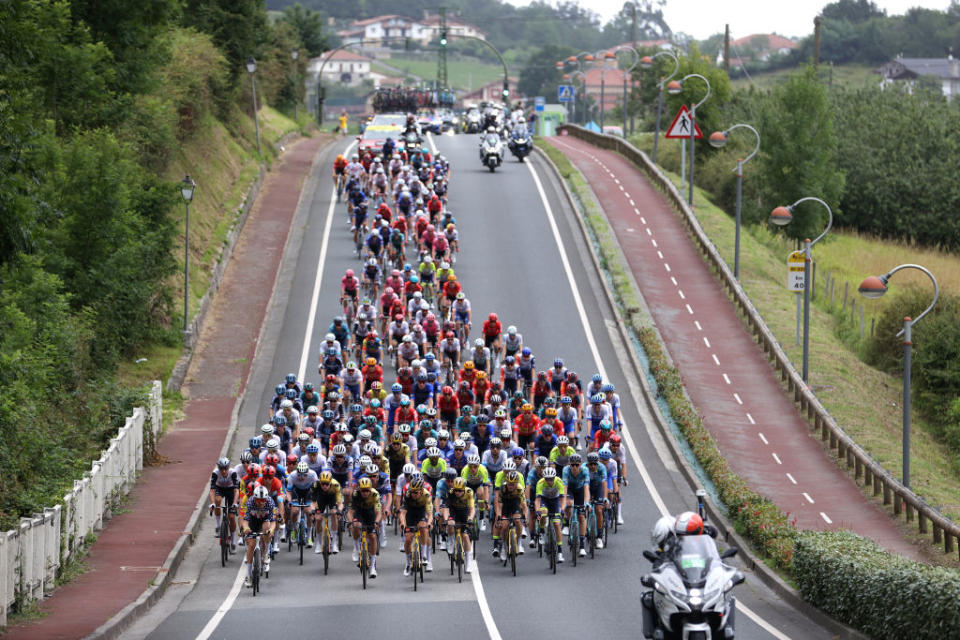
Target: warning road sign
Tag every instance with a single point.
(681, 125)
(565, 93)
(795, 267)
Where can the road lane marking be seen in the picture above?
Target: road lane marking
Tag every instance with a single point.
(726, 379)
(642, 219)
(715, 359)
(682, 297)
(649, 233)
(674, 281)
(736, 397)
(825, 518)
(807, 496)
(653, 242)
(690, 309)
(634, 453)
(706, 342)
(790, 478)
(484, 607)
(777, 458)
(762, 437)
(697, 324)
(750, 418)
(666, 265)
(660, 254)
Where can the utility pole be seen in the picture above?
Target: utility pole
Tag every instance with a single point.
(633, 43)
(442, 51)
(816, 41)
(726, 50)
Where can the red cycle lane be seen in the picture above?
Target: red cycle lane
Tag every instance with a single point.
(133, 545)
(724, 371)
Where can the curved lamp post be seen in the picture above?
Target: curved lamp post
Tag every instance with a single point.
(626, 72)
(294, 54)
(187, 188)
(675, 88)
(875, 287)
(252, 69)
(719, 139)
(782, 216)
(607, 62)
(646, 62)
(575, 60)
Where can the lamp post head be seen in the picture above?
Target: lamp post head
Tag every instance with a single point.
(187, 188)
(295, 54)
(251, 65)
(559, 65)
(588, 57)
(572, 59)
(674, 87)
(610, 58)
(718, 139)
(873, 287)
(566, 76)
(646, 62)
(781, 216)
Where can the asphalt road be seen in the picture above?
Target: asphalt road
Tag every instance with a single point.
(511, 263)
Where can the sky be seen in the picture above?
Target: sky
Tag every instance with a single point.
(793, 18)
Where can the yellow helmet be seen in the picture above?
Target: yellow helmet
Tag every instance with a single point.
(326, 477)
(551, 412)
(459, 483)
(468, 365)
(371, 361)
(364, 483)
(396, 436)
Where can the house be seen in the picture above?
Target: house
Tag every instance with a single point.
(905, 71)
(341, 67)
(381, 29)
(759, 47)
(431, 26)
(492, 92)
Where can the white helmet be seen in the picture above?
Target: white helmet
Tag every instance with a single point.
(365, 434)
(267, 430)
(273, 444)
(430, 442)
(409, 469)
(330, 337)
(512, 330)
(339, 450)
(661, 531)
(261, 493)
(286, 404)
(509, 465)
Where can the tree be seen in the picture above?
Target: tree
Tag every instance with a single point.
(239, 29)
(800, 153)
(539, 76)
(854, 11)
(309, 28)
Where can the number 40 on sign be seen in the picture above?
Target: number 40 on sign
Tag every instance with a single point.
(795, 266)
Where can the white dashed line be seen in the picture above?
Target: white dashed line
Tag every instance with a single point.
(762, 437)
(715, 359)
(649, 233)
(790, 477)
(807, 496)
(631, 229)
(653, 241)
(615, 180)
(690, 309)
(682, 297)
(642, 219)
(666, 265)
(621, 187)
(674, 281)
(632, 203)
(697, 323)
(660, 255)
(825, 518)
(737, 397)
(777, 458)
(726, 378)
(750, 418)
(706, 342)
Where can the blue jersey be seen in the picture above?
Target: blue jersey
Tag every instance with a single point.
(575, 480)
(442, 489)
(597, 479)
(262, 514)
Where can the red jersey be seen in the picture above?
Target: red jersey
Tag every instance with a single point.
(395, 282)
(541, 388)
(427, 237)
(340, 163)
(401, 224)
(434, 205)
(527, 424)
(407, 383)
(411, 288)
(387, 300)
(480, 387)
(385, 211)
(600, 438)
(349, 284)
(465, 396)
(451, 288)
(447, 403)
(396, 308)
(405, 414)
(430, 327)
(468, 375)
(492, 329)
(378, 412)
(440, 242)
(274, 485)
(372, 373)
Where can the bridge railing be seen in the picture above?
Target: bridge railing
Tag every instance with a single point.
(32, 554)
(866, 470)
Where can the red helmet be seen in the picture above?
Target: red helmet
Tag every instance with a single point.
(273, 459)
(372, 334)
(688, 523)
(396, 273)
(388, 290)
(493, 317)
(447, 390)
(309, 431)
(349, 273)
(331, 379)
(254, 469)
(292, 459)
(449, 335)
(614, 439)
(398, 317)
(270, 472)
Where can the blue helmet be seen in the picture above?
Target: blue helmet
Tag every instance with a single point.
(558, 362)
(291, 377)
(517, 451)
(256, 442)
(396, 387)
(279, 420)
(605, 454)
(280, 389)
(597, 378)
(607, 388)
(291, 393)
(526, 351)
(312, 448)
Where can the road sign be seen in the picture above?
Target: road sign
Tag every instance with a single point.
(538, 103)
(565, 93)
(680, 128)
(795, 268)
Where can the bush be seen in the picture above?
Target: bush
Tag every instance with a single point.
(883, 595)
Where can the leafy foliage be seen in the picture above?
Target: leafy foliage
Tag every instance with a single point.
(238, 28)
(309, 28)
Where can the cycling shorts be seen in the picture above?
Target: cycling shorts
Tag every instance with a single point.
(256, 524)
(325, 499)
(414, 516)
(350, 293)
(367, 517)
(512, 506)
(304, 496)
(524, 440)
(577, 493)
(552, 505)
(459, 515)
(226, 493)
(488, 341)
(463, 316)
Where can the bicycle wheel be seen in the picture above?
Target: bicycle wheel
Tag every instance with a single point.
(290, 537)
(302, 537)
(326, 542)
(574, 538)
(460, 556)
(592, 531)
(364, 560)
(551, 547)
(512, 543)
(224, 540)
(255, 570)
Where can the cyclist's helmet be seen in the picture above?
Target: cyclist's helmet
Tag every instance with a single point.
(661, 532)
(339, 450)
(566, 400)
(473, 459)
(605, 454)
(459, 484)
(605, 425)
(433, 452)
(563, 441)
(509, 465)
(607, 388)
(416, 481)
(364, 483)
(372, 469)
(459, 444)
(541, 461)
(246, 457)
(292, 461)
(280, 389)
(312, 448)
(396, 387)
(409, 469)
(223, 463)
(450, 473)
(267, 430)
(597, 398)
(303, 468)
(576, 459)
(495, 442)
(256, 442)
(512, 330)
(291, 377)
(549, 472)
(546, 430)
(260, 493)
(597, 378)
(614, 439)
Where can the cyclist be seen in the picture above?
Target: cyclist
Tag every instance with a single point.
(416, 513)
(613, 480)
(598, 491)
(463, 317)
(602, 436)
(491, 336)
(526, 426)
(541, 391)
(612, 400)
(557, 375)
(365, 508)
(510, 375)
(450, 349)
(224, 494)
(339, 170)
(560, 456)
(511, 507)
(328, 495)
(512, 341)
(381, 483)
(349, 285)
(577, 480)
(397, 454)
(551, 497)
(433, 466)
(453, 240)
(259, 517)
(620, 456)
(302, 487)
(428, 272)
(450, 290)
(526, 363)
(460, 502)
(569, 418)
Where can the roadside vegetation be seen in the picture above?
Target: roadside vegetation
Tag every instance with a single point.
(104, 111)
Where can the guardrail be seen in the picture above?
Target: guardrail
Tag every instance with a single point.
(865, 469)
(32, 554)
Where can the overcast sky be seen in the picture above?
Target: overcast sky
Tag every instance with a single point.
(702, 19)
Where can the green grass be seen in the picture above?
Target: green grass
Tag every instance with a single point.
(462, 73)
(850, 76)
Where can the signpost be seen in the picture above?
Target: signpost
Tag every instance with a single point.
(680, 129)
(565, 93)
(795, 280)
(538, 103)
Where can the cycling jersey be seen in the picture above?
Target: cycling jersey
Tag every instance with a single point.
(368, 502)
(561, 456)
(492, 464)
(475, 478)
(462, 502)
(550, 491)
(225, 483)
(418, 507)
(575, 480)
(256, 515)
(433, 470)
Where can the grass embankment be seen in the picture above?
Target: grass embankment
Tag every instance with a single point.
(462, 73)
(849, 76)
(224, 163)
(837, 374)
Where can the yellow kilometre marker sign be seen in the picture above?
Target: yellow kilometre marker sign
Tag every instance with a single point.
(795, 264)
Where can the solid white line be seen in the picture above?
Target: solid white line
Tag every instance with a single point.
(706, 342)
(825, 518)
(715, 359)
(791, 479)
(433, 147)
(777, 458)
(737, 398)
(697, 324)
(762, 437)
(750, 418)
(807, 496)
(227, 603)
(726, 378)
(484, 607)
(634, 453)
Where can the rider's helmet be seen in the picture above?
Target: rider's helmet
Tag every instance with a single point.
(349, 273)
(313, 448)
(364, 483)
(549, 472)
(661, 532)
(223, 463)
(303, 468)
(459, 484)
(688, 523)
(261, 493)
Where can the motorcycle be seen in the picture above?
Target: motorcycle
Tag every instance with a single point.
(471, 122)
(689, 586)
(520, 145)
(491, 152)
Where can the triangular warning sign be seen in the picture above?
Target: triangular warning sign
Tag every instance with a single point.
(680, 128)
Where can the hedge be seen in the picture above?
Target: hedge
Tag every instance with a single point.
(883, 595)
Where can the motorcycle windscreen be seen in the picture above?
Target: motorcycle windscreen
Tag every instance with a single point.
(694, 558)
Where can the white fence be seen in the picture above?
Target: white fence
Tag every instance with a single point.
(31, 555)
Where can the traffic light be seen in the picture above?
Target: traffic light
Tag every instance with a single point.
(443, 38)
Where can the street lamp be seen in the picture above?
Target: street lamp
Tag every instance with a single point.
(675, 88)
(782, 216)
(252, 69)
(575, 60)
(294, 54)
(874, 287)
(583, 94)
(626, 72)
(718, 139)
(187, 187)
(608, 62)
(646, 62)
